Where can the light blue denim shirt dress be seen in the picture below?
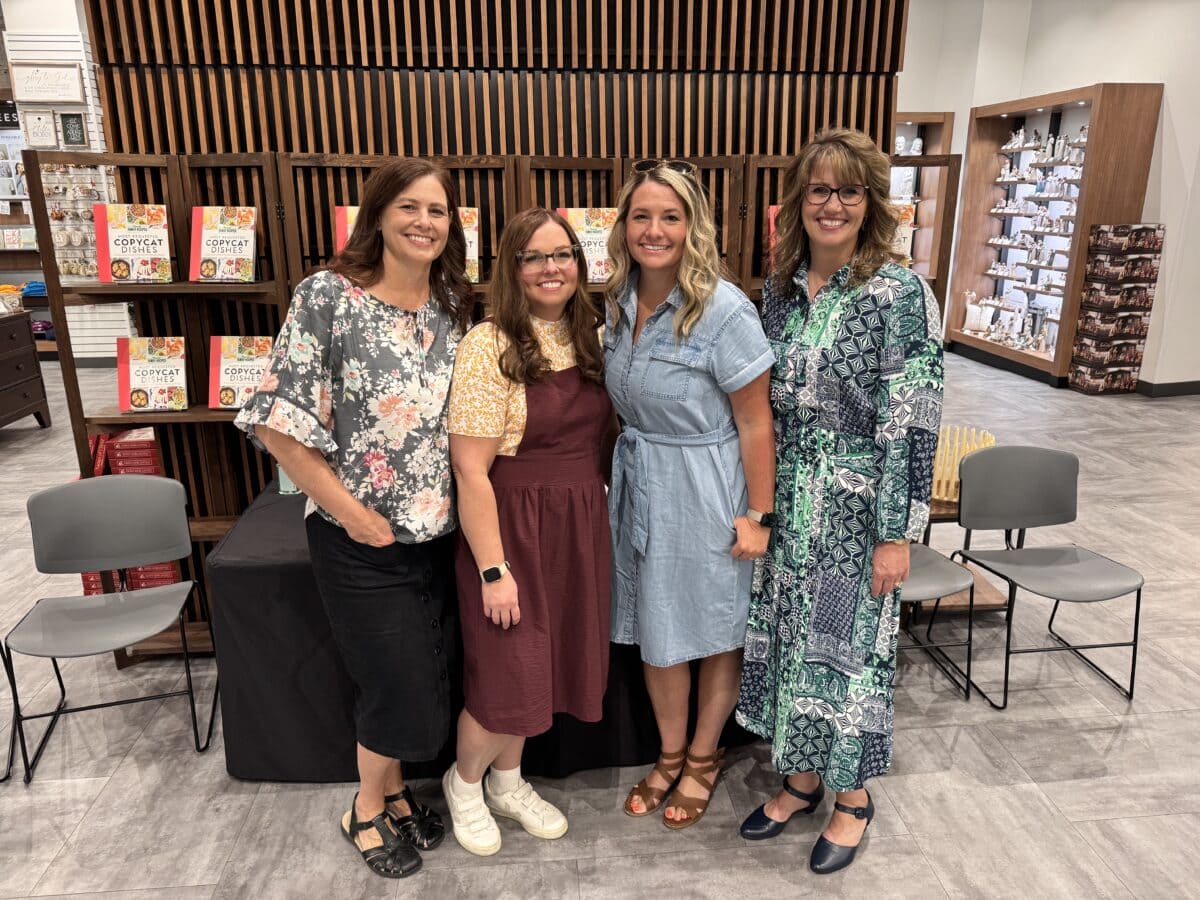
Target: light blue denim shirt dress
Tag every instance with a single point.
(677, 481)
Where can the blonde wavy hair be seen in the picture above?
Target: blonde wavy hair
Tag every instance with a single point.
(700, 268)
(854, 159)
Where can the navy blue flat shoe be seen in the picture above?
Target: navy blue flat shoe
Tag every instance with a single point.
(828, 857)
(760, 827)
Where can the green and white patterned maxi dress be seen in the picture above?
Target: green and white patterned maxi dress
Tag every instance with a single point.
(856, 392)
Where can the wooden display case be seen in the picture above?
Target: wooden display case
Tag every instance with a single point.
(937, 180)
(1121, 122)
(220, 471)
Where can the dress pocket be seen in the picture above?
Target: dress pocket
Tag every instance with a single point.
(670, 368)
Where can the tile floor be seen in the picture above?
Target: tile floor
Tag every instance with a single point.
(1072, 792)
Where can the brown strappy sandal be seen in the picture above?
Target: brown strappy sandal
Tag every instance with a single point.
(652, 797)
(693, 806)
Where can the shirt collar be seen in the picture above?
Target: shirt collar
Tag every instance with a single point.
(839, 279)
(628, 303)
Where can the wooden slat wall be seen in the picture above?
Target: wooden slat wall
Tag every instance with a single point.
(601, 78)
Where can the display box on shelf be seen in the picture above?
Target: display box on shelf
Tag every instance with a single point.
(151, 374)
(235, 367)
(1109, 238)
(223, 241)
(1108, 352)
(132, 243)
(1098, 323)
(344, 218)
(1139, 238)
(1113, 297)
(592, 226)
(1147, 238)
(1103, 380)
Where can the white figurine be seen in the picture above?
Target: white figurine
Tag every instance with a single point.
(918, 145)
(900, 144)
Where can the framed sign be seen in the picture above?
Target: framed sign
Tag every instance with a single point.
(40, 130)
(74, 130)
(47, 82)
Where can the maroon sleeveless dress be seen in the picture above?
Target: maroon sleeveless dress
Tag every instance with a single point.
(554, 525)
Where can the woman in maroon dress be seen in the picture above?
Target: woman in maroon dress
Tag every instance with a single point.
(529, 418)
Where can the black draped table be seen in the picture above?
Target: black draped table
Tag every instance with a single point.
(286, 701)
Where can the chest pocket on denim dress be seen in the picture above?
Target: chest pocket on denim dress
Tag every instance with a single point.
(671, 367)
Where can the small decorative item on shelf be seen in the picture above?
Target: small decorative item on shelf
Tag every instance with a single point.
(1114, 317)
(593, 225)
(223, 242)
(235, 368)
(151, 374)
(132, 242)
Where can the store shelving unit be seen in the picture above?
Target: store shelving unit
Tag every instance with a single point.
(1121, 121)
(936, 193)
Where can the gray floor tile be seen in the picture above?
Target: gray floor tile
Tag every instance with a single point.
(202, 892)
(1111, 767)
(37, 820)
(499, 882)
(886, 866)
(1154, 855)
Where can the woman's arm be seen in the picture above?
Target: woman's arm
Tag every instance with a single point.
(312, 474)
(756, 440)
(471, 458)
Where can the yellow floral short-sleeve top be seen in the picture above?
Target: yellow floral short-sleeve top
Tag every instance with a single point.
(483, 402)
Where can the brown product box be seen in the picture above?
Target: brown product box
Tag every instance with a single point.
(1100, 352)
(1100, 324)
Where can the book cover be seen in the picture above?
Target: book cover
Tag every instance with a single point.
(772, 215)
(132, 242)
(235, 367)
(343, 224)
(469, 216)
(593, 225)
(151, 374)
(223, 239)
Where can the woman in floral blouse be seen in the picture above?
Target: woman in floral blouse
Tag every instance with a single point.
(857, 396)
(353, 405)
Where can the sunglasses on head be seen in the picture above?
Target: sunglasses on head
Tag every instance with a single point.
(682, 166)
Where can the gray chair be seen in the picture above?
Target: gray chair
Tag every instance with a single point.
(1012, 489)
(932, 577)
(100, 524)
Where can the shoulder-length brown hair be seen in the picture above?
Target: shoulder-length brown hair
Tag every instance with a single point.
(361, 259)
(854, 159)
(522, 360)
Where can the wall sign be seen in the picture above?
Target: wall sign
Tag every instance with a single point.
(74, 130)
(47, 83)
(39, 128)
(8, 115)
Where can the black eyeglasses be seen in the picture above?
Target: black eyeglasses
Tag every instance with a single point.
(532, 260)
(847, 194)
(682, 166)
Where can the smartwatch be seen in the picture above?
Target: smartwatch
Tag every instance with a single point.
(766, 520)
(493, 573)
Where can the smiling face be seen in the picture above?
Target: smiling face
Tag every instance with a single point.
(832, 227)
(416, 224)
(656, 227)
(549, 288)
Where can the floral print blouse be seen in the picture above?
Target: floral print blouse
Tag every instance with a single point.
(366, 384)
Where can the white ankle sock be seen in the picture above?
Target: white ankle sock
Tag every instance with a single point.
(501, 781)
(462, 788)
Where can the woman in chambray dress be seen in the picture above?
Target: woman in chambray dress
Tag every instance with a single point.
(687, 367)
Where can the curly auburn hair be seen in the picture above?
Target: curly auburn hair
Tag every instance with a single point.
(361, 259)
(854, 159)
(522, 360)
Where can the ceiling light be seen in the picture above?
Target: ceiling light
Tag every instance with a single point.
(1004, 115)
(1041, 109)
(908, 123)
(1083, 103)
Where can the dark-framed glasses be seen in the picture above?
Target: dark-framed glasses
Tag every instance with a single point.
(682, 166)
(533, 260)
(847, 194)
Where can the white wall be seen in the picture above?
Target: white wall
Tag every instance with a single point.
(1022, 48)
(44, 16)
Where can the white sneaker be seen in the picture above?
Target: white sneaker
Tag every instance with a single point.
(539, 818)
(474, 828)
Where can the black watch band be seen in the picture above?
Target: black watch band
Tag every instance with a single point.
(765, 519)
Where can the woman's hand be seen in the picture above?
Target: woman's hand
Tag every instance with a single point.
(500, 602)
(751, 540)
(370, 528)
(890, 565)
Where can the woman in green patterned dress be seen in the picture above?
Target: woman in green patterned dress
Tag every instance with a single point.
(857, 396)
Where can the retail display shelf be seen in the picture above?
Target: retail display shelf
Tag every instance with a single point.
(210, 528)
(1046, 266)
(1012, 151)
(1077, 145)
(1038, 289)
(1049, 198)
(195, 414)
(1047, 232)
(1041, 361)
(1052, 164)
(151, 288)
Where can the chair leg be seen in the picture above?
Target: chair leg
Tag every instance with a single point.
(1077, 650)
(191, 692)
(970, 638)
(1008, 650)
(18, 723)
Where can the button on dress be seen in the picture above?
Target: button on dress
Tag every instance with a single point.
(677, 481)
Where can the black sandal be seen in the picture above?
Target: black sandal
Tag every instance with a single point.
(396, 858)
(423, 827)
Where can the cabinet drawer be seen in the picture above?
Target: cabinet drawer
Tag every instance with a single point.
(19, 396)
(19, 366)
(15, 334)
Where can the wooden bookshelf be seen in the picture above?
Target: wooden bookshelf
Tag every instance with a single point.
(1122, 121)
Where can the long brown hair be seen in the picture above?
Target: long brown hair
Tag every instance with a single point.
(854, 159)
(522, 360)
(700, 269)
(361, 259)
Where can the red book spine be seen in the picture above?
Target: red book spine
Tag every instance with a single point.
(341, 232)
(100, 457)
(214, 372)
(122, 362)
(103, 258)
(197, 242)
